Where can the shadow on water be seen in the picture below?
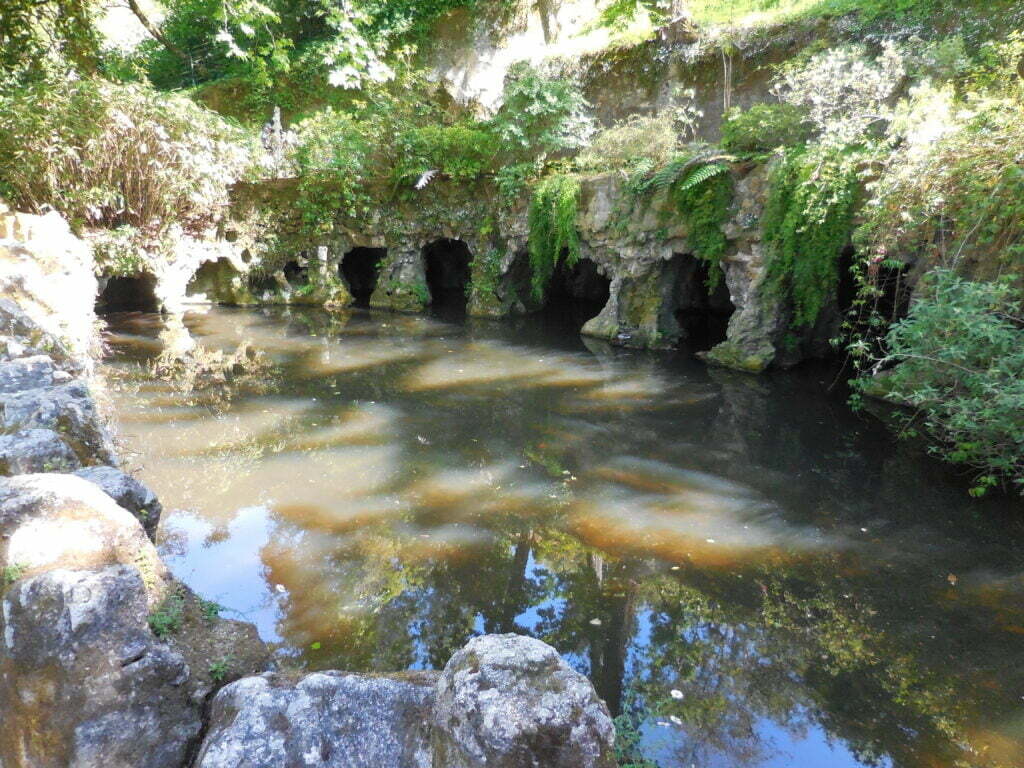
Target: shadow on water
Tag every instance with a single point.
(764, 578)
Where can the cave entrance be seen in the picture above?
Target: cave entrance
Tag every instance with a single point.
(296, 274)
(702, 312)
(447, 267)
(212, 282)
(576, 293)
(360, 268)
(136, 293)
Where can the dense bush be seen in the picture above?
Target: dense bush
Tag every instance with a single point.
(765, 127)
(960, 366)
(108, 155)
(954, 185)
(639, 139)
(541, 115)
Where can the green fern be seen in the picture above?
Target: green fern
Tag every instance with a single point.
(701, 175)
(552, 220)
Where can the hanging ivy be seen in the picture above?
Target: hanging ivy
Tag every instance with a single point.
(552, 221)
(807, 221)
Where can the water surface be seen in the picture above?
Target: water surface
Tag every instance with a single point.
(756, 575)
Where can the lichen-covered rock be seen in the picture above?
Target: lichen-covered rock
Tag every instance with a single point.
(327, 719)
(83, 682)
(129, 493)
(35, 450)
(68, 409)
(26, 373)
(507, 701)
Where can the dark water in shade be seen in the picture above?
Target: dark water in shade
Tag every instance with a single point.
(768, 577)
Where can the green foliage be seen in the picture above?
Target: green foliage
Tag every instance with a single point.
(210, 610)
(40, 38)
(168, 617)
(10, 574)
(541, 115)
(631, 142)
(702, 189)
(552, 220)
(219, 669)
(962, 194)
(108, 155)
(462, 151)
(703, 198)
(960, 366)
(807, 221)
(628, 753)
(764, 127)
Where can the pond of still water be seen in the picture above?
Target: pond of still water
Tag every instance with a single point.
(754, 574)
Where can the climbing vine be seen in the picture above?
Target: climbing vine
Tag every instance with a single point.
(807, 221)
(552, 221)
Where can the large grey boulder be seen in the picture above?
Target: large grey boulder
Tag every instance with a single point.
(129, 493)
(50, 521)
(26, 373)
(83, 682)
(68, 409)
(327, 719)
(507, 701)
(35, 450)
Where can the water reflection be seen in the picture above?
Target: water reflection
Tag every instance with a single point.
(759, 577)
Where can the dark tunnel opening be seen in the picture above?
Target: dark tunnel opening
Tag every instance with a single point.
(576, 293)
(447, 264)
(129, 294)
(360, 269)
(703, 308)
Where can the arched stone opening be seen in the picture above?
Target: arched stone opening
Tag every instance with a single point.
(296, 274)
(135, 293)
(577, 293)
(360, 269)
(213, 282)
(448, 273)
(702, 309)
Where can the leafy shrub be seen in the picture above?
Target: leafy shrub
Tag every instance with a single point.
(108, 155)
(629, 142)
(332, 155)
(960, 356)
(541, 115)
(765, 127)
(955, 185)
(462, 151)
(552, 220)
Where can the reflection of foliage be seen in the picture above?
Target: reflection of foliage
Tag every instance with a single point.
(212, 376)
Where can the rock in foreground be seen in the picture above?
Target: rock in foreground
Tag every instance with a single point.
(323, 719)
(506, 701)
(503, 701)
